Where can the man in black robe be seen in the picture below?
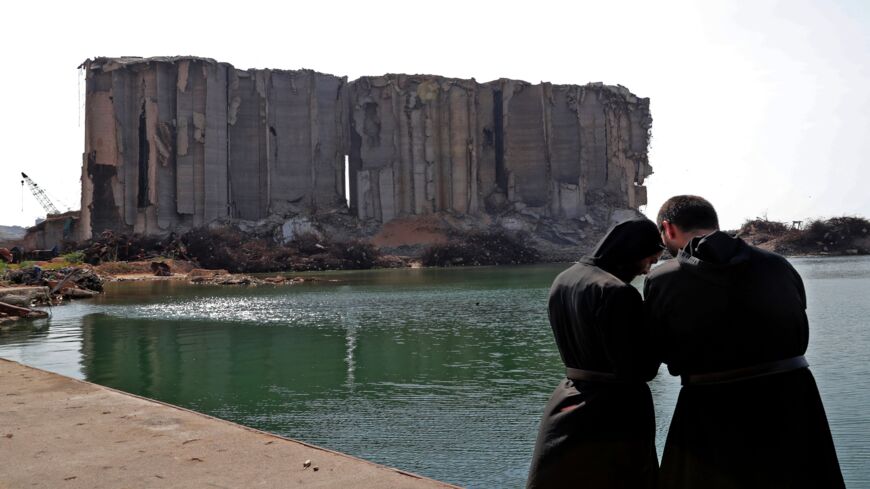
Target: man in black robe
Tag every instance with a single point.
(598, 429)
(730, 319)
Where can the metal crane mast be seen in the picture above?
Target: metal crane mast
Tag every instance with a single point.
(40, 195)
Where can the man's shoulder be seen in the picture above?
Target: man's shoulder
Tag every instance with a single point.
(769, 259)
(661, 276)
(662, 272)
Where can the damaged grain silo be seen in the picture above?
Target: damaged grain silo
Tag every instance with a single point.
(175, 143)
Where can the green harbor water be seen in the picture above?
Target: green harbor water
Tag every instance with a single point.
(442, 372)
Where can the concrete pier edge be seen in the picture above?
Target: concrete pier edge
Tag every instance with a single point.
(8, 478)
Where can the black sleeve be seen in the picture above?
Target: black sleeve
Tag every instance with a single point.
(799, 283)
(627, 335)
(804, 324)
(657, 324)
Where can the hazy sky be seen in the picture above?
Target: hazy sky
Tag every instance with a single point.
(763, 107)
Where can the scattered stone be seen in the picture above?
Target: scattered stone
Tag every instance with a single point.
(306, 464)
(204, 273)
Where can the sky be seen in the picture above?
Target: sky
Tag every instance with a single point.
(761, 106)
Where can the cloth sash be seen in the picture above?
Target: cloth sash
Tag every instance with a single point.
(744, 373)
(581, 375)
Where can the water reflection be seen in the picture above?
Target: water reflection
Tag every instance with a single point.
(208, 365)
(350, 325)
(24, 331)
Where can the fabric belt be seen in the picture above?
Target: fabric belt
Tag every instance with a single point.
(745, 373)
(593, 376)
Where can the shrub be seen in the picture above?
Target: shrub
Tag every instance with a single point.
(763, 226)
(74, 257)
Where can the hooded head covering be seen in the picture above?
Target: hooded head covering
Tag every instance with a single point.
(717, 257)
(624, 245)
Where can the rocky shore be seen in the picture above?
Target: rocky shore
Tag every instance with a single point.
(24, 290)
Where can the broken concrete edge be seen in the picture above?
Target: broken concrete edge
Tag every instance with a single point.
(230, 423)
(109, 63)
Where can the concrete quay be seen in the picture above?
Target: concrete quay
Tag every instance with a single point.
(59, 432)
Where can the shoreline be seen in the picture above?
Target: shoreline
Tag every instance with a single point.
(201, 276)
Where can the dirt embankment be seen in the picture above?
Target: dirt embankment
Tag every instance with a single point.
(834, 236)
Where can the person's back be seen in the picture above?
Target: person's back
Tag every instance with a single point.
(730, 319)
(743, 308)
(598, 428)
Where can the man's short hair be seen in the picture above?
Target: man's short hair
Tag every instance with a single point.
(689, 213)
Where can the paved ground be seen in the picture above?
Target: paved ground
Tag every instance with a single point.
(58, 432)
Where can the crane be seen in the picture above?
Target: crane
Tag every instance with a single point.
(40, 195)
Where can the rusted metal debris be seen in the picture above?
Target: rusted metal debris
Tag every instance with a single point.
(22, 312)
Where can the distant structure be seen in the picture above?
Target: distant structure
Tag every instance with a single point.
(173, 143)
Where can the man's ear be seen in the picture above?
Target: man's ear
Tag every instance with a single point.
(669, 230)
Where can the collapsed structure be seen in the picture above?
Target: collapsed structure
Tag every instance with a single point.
(174, 143)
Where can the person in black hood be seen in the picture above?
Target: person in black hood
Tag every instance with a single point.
(730, 319)
(598, 428)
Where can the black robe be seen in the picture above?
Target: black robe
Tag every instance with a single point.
(722, 305)
(594, 434)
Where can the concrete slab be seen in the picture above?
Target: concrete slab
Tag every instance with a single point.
(61, 432)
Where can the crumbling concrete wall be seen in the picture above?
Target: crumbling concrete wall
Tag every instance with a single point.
(422, 144)
(565, 142)
(176, 143)
(415, 145)
(55, 230)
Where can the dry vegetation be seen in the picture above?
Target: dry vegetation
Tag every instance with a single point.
(839, 235)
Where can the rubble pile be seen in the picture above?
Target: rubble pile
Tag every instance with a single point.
(32, 286)
(491, 247)
(237, 252)
(69, 282)
(111, 247)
